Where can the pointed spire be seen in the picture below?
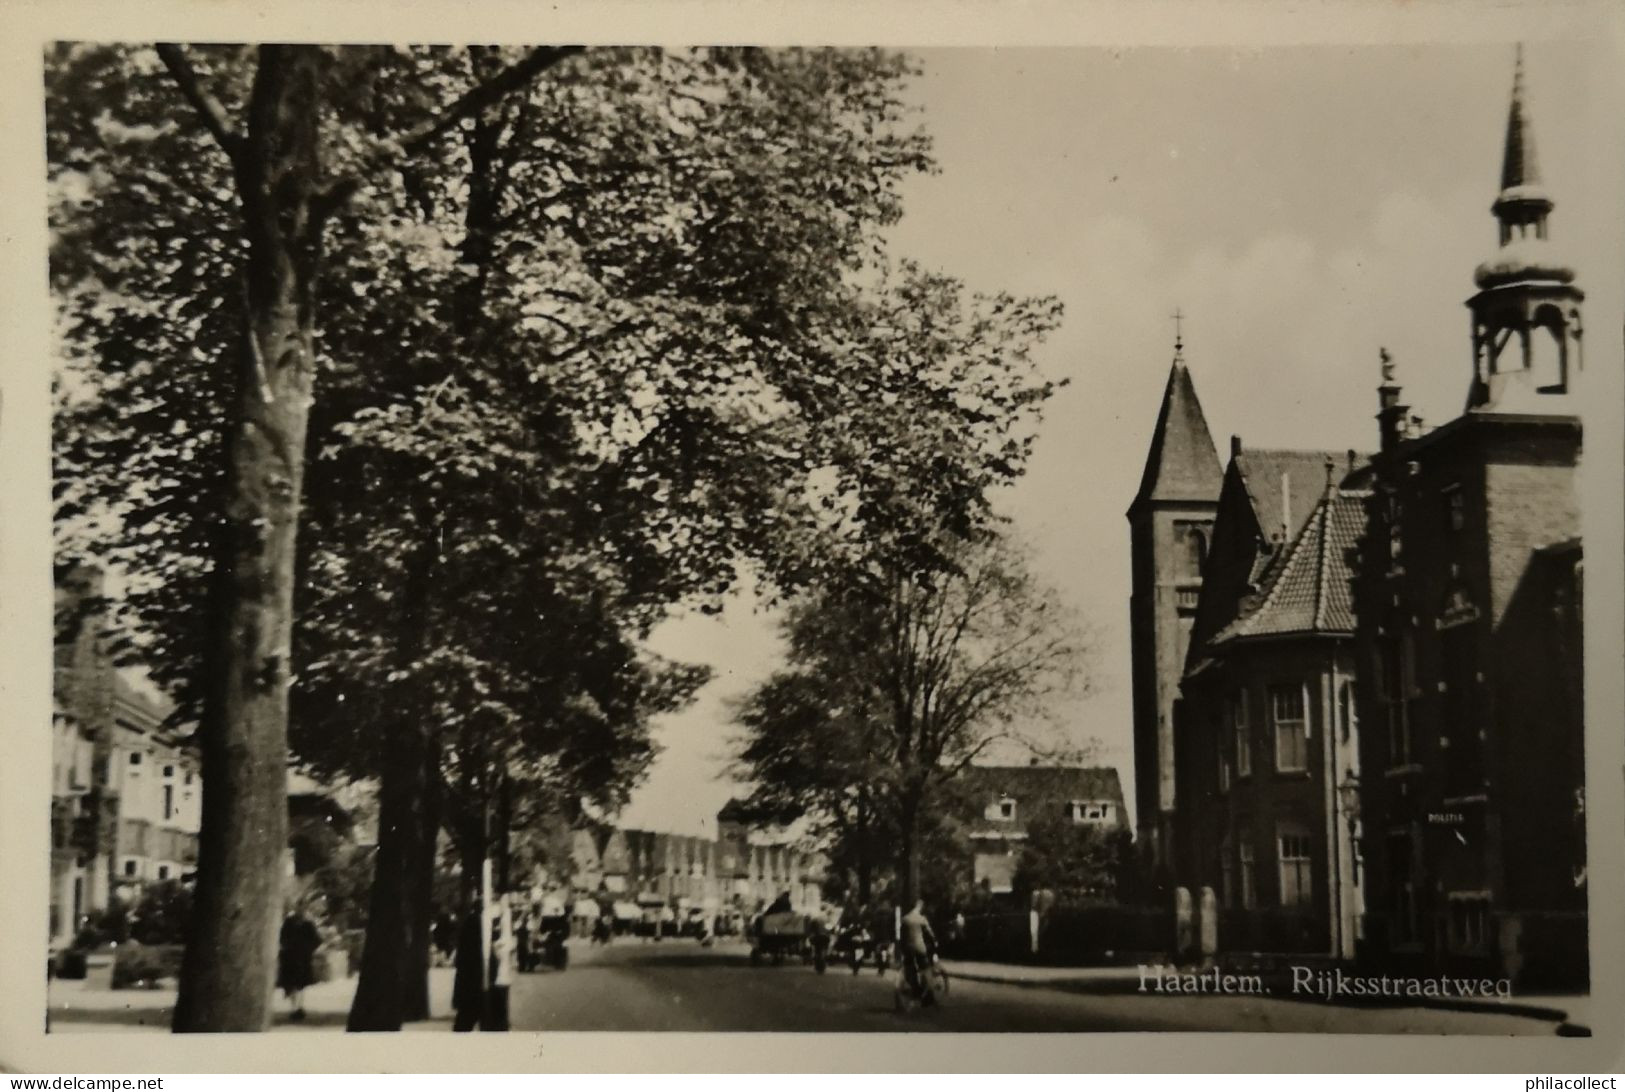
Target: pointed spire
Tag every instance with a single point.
(1518, 164)
(1183, 464)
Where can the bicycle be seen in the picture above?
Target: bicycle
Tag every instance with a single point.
(930, 990)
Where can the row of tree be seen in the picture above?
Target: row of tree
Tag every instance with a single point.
(410, 389)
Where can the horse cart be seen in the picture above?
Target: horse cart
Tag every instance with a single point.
(788, 934)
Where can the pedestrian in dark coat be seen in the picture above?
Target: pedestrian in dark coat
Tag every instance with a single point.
(296, 957)
(444, 936)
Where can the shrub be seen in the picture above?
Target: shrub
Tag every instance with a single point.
(161, 916)
(107, 926)
(141, 966)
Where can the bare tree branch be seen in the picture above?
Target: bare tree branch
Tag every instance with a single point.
(208, 107)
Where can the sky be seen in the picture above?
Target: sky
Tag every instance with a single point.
(1302, 207)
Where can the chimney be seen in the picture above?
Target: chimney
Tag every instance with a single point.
(1331, 477)
(1235, 446)
(1286, 506)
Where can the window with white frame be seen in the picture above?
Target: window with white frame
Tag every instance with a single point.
(1227, 871)
(1290, 722)
(1249, 871)
(1292, 844)
(1223, 763)
(1242, 735)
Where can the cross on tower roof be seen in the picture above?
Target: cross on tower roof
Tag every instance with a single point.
(1179, 337)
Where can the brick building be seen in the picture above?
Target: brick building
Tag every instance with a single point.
(1267, 742)
(1468, 596)
(1170, 527)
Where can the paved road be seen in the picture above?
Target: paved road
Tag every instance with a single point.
(678, 986)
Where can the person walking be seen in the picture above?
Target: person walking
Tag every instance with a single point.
(296, 956)
(500, 970)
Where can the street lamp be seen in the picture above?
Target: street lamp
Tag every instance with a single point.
(1348, 798)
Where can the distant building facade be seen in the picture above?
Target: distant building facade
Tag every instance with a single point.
(126, 791)
(741, 869)
(1003, 801)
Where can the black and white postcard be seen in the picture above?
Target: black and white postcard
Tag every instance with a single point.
(817, 521)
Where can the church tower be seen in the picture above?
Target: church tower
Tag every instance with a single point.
(1526, 315)
(1170, 525)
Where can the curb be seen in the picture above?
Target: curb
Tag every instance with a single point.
(1104, 986)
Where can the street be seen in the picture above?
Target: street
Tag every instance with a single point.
(678, 986)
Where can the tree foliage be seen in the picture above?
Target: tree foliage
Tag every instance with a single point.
(893, 687)
(1077, 862)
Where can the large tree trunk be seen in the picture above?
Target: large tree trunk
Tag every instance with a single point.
(420, 904)
(380, 1002)
(908, 864)
(227, 975)
(865, 848)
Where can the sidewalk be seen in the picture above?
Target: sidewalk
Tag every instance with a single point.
(75, 1008)
(1571, 1013)
(1071, 979)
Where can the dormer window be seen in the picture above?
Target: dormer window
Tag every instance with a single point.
(1088, 811)
(1001, 810)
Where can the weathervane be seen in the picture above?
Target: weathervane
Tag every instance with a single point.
(1179, 336)
(1387, 365)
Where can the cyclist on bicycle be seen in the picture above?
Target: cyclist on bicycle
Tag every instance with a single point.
(917, 943)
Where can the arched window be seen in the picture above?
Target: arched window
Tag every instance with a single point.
(1195, 550)
(1547, 366)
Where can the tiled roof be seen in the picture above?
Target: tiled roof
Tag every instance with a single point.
(1056, 782)
(1305, 471)
(1182, 464)
(1308, 589)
